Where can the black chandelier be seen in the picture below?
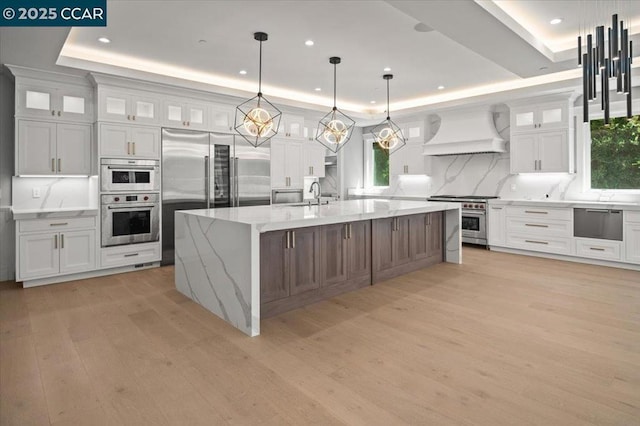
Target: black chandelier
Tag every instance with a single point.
(595, 62)
(388, 134)
(334, 129)
(257, 120)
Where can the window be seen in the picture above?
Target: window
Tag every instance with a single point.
(380, 166)
(615, 153)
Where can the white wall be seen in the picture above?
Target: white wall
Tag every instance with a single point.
(350, 163)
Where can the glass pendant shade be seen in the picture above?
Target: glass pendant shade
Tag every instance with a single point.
(335, 128)
(388, 135)
(257, 120)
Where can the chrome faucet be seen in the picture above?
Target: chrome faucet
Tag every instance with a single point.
(317, 194)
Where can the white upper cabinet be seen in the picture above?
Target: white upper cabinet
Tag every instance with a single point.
(541, 116)
(129, 141)
(222, 118)
(407, 161)
(291, 126)
(286, 164)
(313, 159)
(128, 106)
(46, 148)
(185, 114)
(54, 101)
(413, 131)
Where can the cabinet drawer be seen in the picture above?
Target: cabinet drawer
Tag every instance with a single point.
(632, 216)
(598, 249)
(539, 226)
(540, 212)
(130, 255)
(544, 244)
(59, 224)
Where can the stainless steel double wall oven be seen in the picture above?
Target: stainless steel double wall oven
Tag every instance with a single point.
(130, 201)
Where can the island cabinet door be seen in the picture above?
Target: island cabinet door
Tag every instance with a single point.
(434, 235)
(334, 254)
(304, 258)
(274, 266)
(418, 233)
(402, 241)
(383, 243)
(359, 249)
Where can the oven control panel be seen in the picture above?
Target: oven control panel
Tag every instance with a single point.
(474, 206)
(130, 198)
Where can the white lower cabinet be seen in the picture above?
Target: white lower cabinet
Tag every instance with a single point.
(56, 253)
(129, 254)
(599, 249)
(496, 230)
(632, 236)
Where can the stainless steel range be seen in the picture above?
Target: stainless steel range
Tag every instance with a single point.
(474, 216)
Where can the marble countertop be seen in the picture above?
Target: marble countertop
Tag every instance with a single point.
(20, 214)
(567, 203)
(281, 216)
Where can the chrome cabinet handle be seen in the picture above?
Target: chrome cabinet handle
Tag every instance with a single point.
(134, 146)
(128, 117)
(596, 248)
(58, 113)
(53, 164)
(55, 241)
(536, 242)
(496, 208)
(61, 241)
(143, 206)
(293, 239)
(134, 118)
(59, 164)
(59, 224)
(131, 254)
(536, 225)
(349, 229)
(53, 112)
(128, 148)
(535, 212)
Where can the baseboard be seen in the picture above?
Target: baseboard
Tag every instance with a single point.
(89, 274)
(574, 259)
(7, 274)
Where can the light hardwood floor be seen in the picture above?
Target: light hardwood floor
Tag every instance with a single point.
(499, 340)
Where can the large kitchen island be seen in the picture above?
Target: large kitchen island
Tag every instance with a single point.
(247, 263)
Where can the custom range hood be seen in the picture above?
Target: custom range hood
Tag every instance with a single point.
(466, 132)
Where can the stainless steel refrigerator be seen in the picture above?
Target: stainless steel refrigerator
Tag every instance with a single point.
(203, 170)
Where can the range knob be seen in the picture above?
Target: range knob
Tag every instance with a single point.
(116, 199)
(146, 198)
(477, 206)
(465, 205)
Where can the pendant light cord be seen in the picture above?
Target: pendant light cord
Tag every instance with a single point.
(260, 72)
(388, 113)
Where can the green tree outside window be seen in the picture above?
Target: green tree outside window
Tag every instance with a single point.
(615, 153)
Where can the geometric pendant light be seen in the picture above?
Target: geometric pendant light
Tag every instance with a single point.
(388, 134)
(257, 120)
(334, 129)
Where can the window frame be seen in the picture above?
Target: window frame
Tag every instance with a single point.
(583, 138)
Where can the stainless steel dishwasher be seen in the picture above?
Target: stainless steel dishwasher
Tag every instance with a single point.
(604, 224)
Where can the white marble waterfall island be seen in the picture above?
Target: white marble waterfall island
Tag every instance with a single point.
(308, 253)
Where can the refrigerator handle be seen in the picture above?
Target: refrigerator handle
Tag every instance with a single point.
(236, 195)
(232, 184)
(206, 181)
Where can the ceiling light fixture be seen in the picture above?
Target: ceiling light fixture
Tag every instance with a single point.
(243, 72)
(555, 21)
(317, 89)
(309, 43)
(334, 129)
(104, 40)
(616, 65)
(257, 120)
(440, 87)
(387, 134)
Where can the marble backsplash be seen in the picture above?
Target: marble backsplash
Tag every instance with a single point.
(55, 193)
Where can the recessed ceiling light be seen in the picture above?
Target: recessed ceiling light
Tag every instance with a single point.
(104, 40)
(544, 68)
(309, 43)
(317, 89)
(243, 72)
(372, 102)
(202, 40)
(440, 87)
(555, 21)
(387, 69)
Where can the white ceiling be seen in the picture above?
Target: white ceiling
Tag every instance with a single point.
(475, 46)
